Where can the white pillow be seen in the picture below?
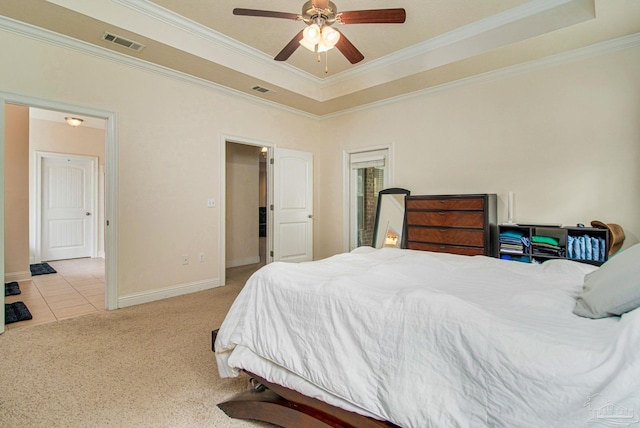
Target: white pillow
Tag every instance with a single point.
(612, 289)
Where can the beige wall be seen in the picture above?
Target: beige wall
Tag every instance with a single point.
(263, 184)
(169, 132)
(16, 193)
(564, 139)
(242, 201)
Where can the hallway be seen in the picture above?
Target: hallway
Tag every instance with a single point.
(76, 289)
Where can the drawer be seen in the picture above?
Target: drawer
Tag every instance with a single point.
(460, 219)
(446, 204)
(465, 251)
(474, 238)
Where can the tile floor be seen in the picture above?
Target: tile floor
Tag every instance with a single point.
(76, 289)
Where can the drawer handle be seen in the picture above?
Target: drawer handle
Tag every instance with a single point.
(442, 230)
(440, 212)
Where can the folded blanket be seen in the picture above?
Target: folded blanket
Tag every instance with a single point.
(517, 234)
(544, 240)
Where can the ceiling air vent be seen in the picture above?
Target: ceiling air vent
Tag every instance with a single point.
(110, 37)
(261, 89)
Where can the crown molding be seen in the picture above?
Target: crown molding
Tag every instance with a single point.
(217, 47)
(60, 40)
(49, 37)
(603, 48)
(511, 26)
(518, 13)
(161, 25)
(360, 72)
(162, 14)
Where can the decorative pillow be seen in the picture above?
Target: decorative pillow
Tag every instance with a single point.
(612, 289)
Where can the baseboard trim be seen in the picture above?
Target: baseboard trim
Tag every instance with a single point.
(164, 293)
(243, 262)
(17, 276)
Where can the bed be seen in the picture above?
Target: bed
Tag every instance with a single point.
(394, 337)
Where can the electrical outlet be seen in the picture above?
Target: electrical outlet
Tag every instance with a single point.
(201, 257)
(185, 259)
(211, 203)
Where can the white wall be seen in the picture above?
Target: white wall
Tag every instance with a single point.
(565, 140)
(168, 152)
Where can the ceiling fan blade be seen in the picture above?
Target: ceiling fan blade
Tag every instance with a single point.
(348, 50)
(265, 13)
(291, 47)
(375, 16)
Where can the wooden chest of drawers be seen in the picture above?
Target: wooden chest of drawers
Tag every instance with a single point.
(459, 224)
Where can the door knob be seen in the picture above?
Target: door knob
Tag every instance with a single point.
(87, 213)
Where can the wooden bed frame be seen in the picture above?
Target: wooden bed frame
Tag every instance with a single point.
(276, 404)
(268, 402)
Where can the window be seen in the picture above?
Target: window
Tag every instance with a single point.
(369, 173)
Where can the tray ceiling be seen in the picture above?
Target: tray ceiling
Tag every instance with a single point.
(442, 41)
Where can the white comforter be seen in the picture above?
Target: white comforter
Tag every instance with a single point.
(437, 340)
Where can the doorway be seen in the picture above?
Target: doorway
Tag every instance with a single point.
(245, 207)
(108, 196)
(59, 202)
(289, 219)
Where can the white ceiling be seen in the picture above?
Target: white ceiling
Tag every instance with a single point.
(442, 41)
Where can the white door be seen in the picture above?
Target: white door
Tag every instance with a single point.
(68, 207)
(293, 206)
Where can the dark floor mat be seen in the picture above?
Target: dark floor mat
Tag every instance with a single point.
(14, 312)
(41, 269)
(11, 289)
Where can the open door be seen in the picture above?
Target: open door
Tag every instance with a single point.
(292, 206)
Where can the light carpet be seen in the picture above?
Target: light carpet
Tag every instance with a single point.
(144, 366)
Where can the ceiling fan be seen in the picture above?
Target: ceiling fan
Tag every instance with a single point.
(319, 35)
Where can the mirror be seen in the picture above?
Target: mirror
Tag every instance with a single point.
(389, 226)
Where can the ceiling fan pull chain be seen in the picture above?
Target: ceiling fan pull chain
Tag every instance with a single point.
(326, 62)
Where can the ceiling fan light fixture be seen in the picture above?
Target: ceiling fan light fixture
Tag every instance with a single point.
(330, 37)
(312, 34)
(319, 38)
(323, 47)
(307, 45)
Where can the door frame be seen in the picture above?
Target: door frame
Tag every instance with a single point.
(111, 184)
(222, 222)
(346, 186)
(37, 201)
